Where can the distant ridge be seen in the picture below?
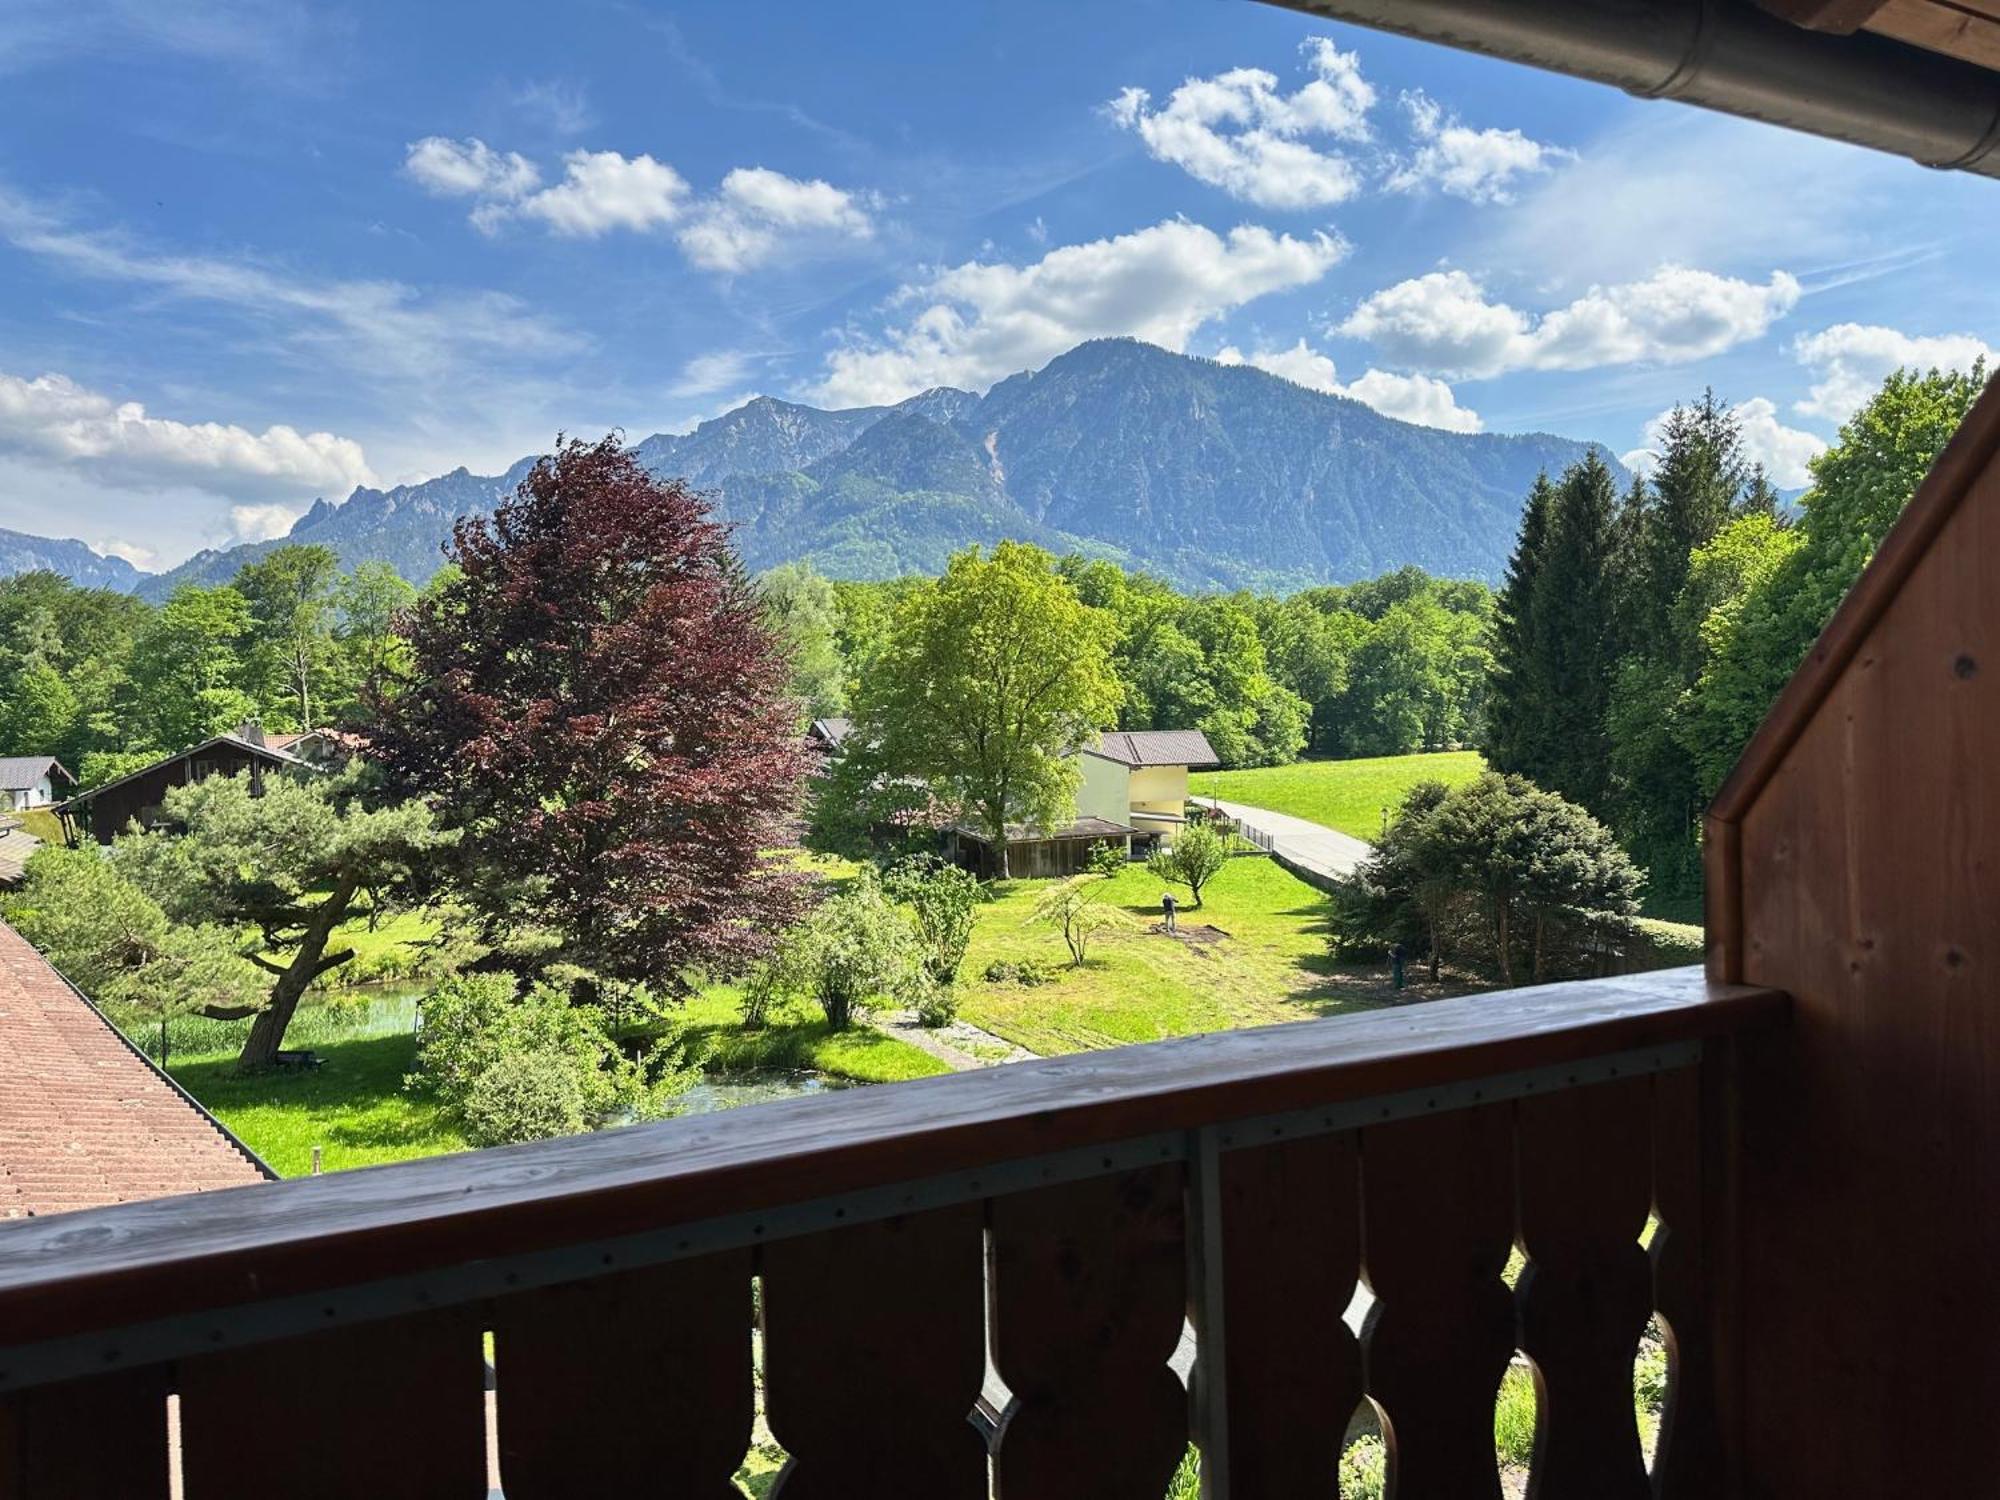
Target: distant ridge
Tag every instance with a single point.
(1215, 476)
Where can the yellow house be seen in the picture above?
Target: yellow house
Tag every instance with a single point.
(1140, 778)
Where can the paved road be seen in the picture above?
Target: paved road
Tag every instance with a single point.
(1324, 850)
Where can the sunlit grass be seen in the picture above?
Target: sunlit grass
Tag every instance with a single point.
(1351, 795)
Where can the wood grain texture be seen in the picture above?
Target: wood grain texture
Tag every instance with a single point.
(1871, 1130)
(1585, 1156)
(1438, 1210)
(393, 1410)
(1687, 1463)
(1960, 31)
(874, 1350)
(626, 1383)
(1839, 17)
(103, 1267)
(99, 1439)
(1291, 1253)
(1088, 1287)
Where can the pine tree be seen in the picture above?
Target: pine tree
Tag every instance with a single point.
(1573, 631)
(1517, 712)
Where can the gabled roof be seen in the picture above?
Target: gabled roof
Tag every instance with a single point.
(234, 741)
(18, 772)
(831, 732)
(85, 1118)
(1155, 747)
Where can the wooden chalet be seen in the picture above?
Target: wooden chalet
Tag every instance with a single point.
(106, 811)
(1813, 1123)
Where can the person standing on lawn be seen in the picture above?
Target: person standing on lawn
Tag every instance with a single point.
(1167, 908)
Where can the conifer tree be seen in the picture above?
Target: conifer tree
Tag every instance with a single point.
(1517, 697)
(1572, 630)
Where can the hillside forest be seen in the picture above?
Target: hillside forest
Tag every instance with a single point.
(1638, 637)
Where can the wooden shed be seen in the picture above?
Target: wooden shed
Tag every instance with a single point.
(1852, 862)
(106, 811)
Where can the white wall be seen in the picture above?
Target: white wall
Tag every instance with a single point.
(41, 794)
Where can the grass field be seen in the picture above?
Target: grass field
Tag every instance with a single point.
(1141, 986)
(1350, 795)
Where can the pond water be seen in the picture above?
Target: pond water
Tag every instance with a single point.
(728, 1090)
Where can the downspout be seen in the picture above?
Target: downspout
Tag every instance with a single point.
(1725, 55)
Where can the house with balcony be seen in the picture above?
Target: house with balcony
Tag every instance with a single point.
(977, 1284)
(1139, 778)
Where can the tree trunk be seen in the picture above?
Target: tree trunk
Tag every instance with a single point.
(267, 1032)
(1506, 943)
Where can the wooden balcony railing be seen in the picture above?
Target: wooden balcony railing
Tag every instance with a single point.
(1051, 1228)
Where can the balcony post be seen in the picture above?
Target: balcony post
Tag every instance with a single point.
(1209, 1380)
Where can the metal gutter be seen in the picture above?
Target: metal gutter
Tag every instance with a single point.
(1725, 55)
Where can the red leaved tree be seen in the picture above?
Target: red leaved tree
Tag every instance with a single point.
(594, 701)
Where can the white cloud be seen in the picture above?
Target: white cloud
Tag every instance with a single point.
(143, 558)
(262, 523)
(1784, 452)
(53, 417)
(602, 191)
(388, 330)
(1239, 131)
(980, 322)
(1444, 323)
(754, 215)
(706, 374)
(758, 210)
(563, 107)
(468, 169)
(1408, 398)
(1480, 166)
(1849, 362)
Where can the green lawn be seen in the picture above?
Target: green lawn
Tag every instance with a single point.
(354, 1106)
(1141, 986)
(1350, 795)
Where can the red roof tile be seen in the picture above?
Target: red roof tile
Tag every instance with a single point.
(84, 1119)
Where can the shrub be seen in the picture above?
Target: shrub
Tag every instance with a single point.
(1107, 859)
(855, 948)
(524, 1096)
(1186, 1483)
(1364, 1469)
(479, 1025)
(942, 901)
(1028, 974)
(937, 1005)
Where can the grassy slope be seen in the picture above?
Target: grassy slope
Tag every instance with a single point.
(1140, 986)
(1350, 795)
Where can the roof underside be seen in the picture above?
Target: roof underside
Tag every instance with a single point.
(1918, 78)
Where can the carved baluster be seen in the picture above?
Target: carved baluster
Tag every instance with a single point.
(1687, 1460)
(1585, 1158)
(627, 1383)
(1089, 1296)
(874, 1349)
(393, 1410)
(1291, 1377)
(104, 1438)
(1438, 1217)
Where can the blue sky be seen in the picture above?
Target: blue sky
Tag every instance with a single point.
(254, 251)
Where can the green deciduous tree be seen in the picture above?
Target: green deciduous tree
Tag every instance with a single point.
(188, 670)
(1196, 856)
(369, 601)
(1074, 909)
(988, 680)
(943, 901)
(291, 594)
(856, 948)
(802, 609)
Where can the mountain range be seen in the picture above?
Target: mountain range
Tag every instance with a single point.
(1211, 475)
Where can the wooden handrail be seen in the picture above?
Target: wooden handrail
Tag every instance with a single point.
(110, 1267)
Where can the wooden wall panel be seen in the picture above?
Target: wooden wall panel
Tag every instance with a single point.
(1290, 1254)
(1089, 1297)
(874, 1350)
(104, 1438)
(628, 1382)
(1584, 1158)
(1687, 1461)
(392, 1410)
(1438, 1211)
(1871, 1126)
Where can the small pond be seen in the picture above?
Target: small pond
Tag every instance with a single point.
(728, 1090)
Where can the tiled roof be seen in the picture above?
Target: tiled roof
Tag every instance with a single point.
(20, 771)
(84, 1119)
(832, 732)
(1156, 747)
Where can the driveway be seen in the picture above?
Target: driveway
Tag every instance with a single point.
(1314, 847)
